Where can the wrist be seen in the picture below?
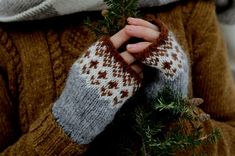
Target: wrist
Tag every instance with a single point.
(99, 83)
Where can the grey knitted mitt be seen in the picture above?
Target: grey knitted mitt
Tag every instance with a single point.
(100, 82)
(169, 65)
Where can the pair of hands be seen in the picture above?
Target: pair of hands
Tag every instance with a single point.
(138, 28)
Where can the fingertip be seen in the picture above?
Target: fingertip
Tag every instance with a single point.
(133, 48)
(128, 28)
(142, 22)
(132, 21)
(130, 18)
(129, 47)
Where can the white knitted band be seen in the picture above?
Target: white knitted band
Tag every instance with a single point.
(168, 58)
(102, 72)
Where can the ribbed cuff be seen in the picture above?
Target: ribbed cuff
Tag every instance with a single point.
(164, 54)
(49, 139)
(110, 48)
(158, 42)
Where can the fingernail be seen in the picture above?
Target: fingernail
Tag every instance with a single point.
(129, 28)
(129, 46)
(130, 18)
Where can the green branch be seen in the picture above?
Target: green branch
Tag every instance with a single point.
(114, 17)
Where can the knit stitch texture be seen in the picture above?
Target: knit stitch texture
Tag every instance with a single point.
(98, 85)
(100, 82)
(36, 57)
(23, 10)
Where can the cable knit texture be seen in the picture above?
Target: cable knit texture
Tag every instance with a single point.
(57, 60)
(32, 52)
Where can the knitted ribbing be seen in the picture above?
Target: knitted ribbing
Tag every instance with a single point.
(55, 140)
(203, 71)
(204, 19)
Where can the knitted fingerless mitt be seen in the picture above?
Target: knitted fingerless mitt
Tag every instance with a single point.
(100, 82)
(169, 65)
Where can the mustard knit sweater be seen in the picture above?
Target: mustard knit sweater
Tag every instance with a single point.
(35, 58)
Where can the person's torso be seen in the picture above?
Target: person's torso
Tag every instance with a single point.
(47, 49)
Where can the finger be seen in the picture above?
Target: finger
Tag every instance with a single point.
(119, 38)
(136, 68)
(137, 47)
(142, 32)
(128, 57)
(141, 22)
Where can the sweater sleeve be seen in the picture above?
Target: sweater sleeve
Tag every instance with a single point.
(211, 76)
(44, 137)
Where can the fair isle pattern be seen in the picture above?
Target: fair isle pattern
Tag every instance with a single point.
(102, 71)
(168, 58)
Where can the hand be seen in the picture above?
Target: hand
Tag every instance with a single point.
(161, 51)
(138, 28)
(100, 82)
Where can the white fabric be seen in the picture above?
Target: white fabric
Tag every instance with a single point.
(71, 6)
(229, 35)
(221, 2)
(106, 62)
(174, 57)
(21, 10)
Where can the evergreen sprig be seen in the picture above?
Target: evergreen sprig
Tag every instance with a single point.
(152, 124)
(152, 121)
(114, 17)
